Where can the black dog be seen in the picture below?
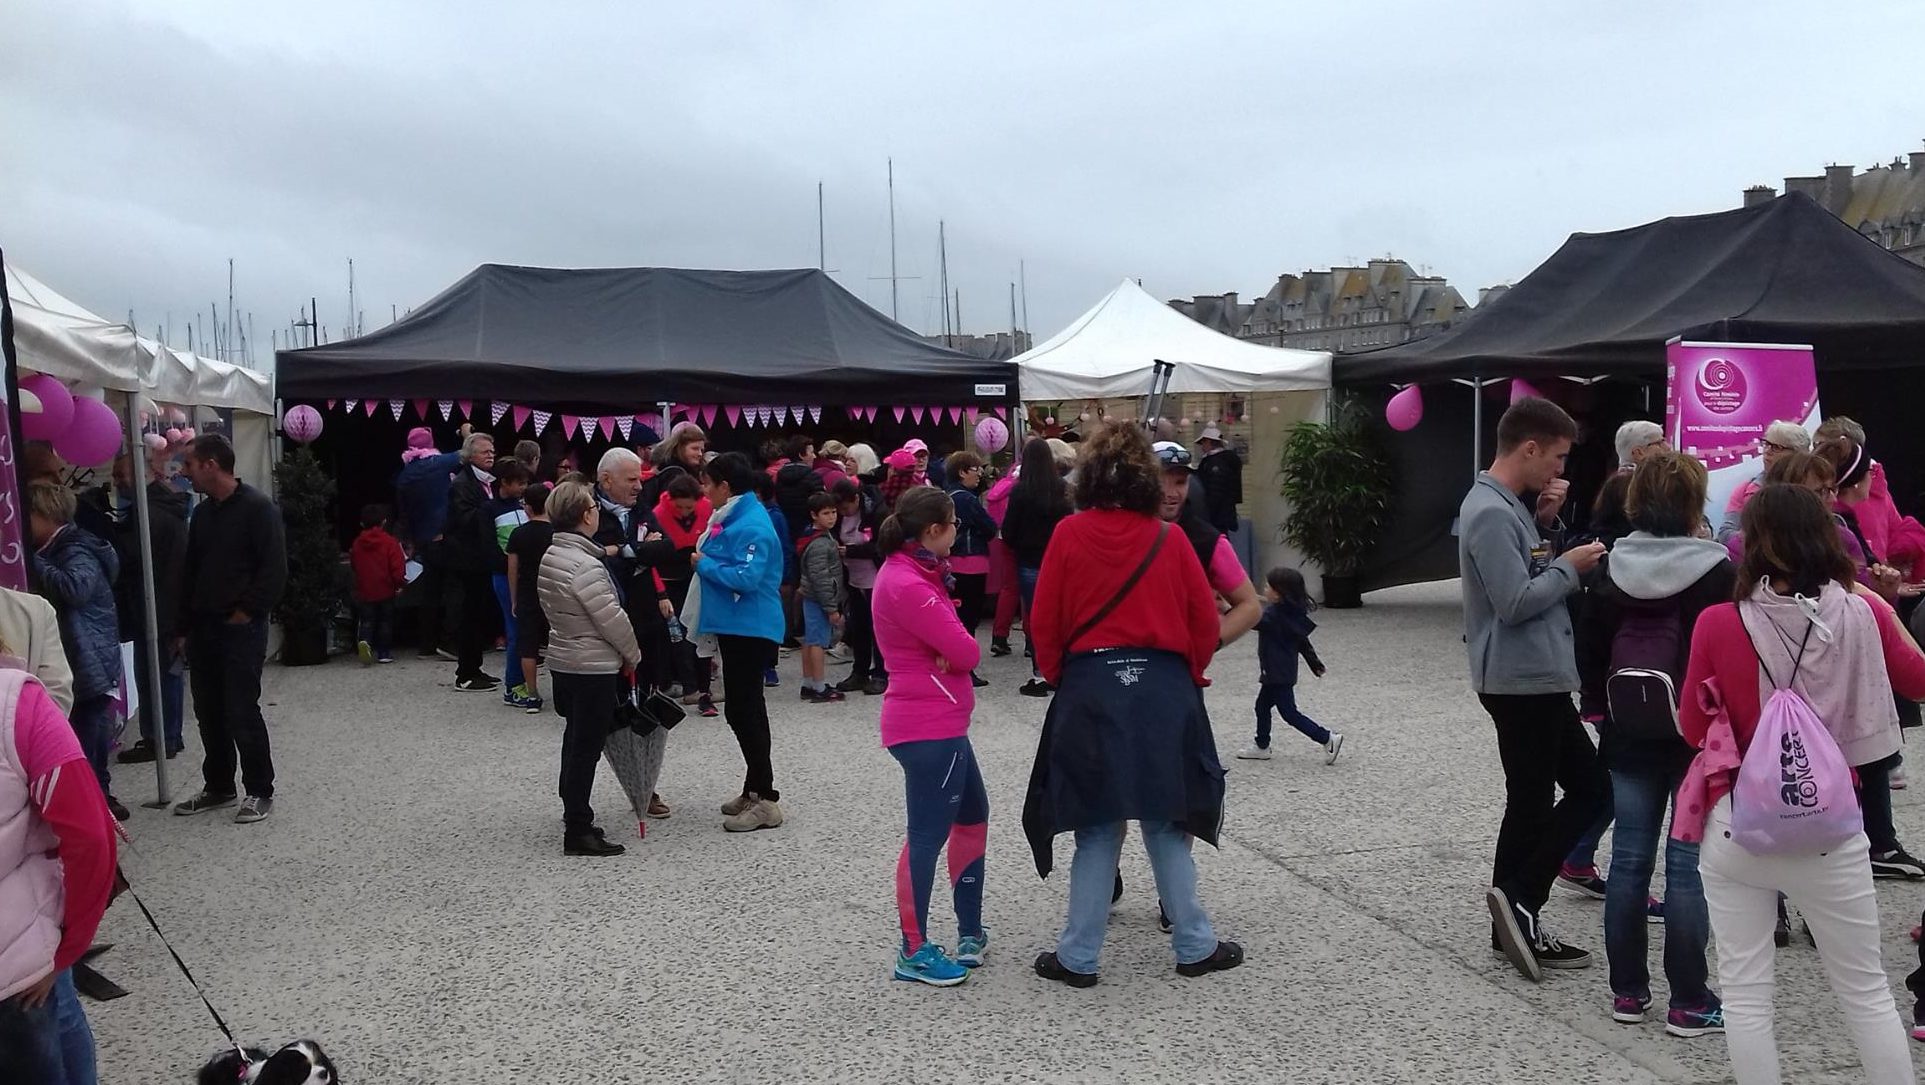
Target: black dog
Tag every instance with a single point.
(299, 1063)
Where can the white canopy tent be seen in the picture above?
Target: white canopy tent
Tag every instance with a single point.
(1111, 351)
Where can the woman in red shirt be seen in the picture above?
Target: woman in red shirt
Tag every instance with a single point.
(1801, 622)
(1123, 624)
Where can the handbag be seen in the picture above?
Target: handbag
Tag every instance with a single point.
(630, 716)
(1129, 584)
(662, 709)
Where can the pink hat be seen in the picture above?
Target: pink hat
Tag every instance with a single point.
(902, 459)
(915, 445)
(420, 445)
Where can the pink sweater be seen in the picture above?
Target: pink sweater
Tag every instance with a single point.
(915, 624)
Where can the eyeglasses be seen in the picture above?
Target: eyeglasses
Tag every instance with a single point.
(1773, 446)
(1173, 455)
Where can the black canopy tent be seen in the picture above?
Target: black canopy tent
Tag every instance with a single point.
(599, 339)
(1604, 305)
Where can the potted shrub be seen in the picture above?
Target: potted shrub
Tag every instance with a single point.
(313, 595)
(1338, 482)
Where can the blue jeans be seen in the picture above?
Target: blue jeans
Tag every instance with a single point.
(1639, 799)
(374, 623)
(49, 1045)
(1026, 577)
(172, 697)
(93, 724)
(1584, 855)
(511, 670)
(1284, 699)
(1092, 877)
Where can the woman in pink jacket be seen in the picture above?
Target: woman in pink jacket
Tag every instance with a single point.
(925, 727)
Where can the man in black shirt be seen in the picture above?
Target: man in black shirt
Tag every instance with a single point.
(236, 567)
(1221, 473)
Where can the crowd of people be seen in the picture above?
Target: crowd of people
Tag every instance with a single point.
(218, 573)
(1684, 644)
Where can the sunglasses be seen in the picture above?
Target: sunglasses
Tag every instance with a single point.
(1174, 457)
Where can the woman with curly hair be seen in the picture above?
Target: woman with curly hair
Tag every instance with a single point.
(1124, 623)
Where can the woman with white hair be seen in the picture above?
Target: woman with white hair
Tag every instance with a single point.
(1781, 438)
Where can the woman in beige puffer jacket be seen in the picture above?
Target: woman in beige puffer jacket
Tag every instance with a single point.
(592, 654)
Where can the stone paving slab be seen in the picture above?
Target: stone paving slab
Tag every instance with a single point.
(408, 905)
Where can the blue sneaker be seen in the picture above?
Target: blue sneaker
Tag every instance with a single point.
(970, 949)
(1693, 1023)
(930, 965)
(770, 678)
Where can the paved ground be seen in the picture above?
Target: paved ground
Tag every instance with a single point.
(408, 904)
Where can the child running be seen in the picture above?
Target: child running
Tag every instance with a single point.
(380, 572)
(1282, 636)
(820, 559)
(526, 546)
(925, 727)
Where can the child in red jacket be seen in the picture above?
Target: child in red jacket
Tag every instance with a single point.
(380, 572)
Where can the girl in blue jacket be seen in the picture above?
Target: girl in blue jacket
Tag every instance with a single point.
(1282, 636)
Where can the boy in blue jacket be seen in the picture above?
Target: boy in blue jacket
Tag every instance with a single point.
(1282, 636)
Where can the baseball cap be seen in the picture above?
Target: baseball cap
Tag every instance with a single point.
(1170, 454)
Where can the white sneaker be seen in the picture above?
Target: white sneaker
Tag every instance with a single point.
(1332, 748)
(1254, 752)
(1896, 778)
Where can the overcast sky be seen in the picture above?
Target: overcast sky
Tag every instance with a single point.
(144, 142)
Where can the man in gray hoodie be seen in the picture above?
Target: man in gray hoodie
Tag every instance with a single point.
(1523, 666)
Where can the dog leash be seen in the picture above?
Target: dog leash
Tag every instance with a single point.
(184, 970)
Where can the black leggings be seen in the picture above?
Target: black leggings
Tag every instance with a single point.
(746, 707)
(972, 591)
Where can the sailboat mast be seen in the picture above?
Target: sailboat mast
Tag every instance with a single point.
(942, 250)
(821, 235)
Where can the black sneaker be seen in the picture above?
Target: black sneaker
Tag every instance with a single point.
(202, 803)
(484, 684)
(999, 646)
(1048, 967)
(1035, 687)
(876, 687)
(140, 753)
(1162, 918)
(1516, 930)
(1896, 863)
(853, 683)
(1552, 953)
(1226, 956)
(590, 842)
(977, 680)
(118, 809)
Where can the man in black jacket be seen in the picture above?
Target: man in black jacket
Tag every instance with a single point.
(1221, 473)
(469, 547)
(235, 571)
(167, 537)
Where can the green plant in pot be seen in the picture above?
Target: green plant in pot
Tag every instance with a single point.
(1338, 482)
(313, 591)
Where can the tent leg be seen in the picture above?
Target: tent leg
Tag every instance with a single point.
(1476, 426)
(150, 639)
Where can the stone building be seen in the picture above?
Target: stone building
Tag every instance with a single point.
(1382, 303)
(1885, 203)
(996, 346)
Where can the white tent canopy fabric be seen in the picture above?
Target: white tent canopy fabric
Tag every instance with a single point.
(57, 336)
(1111, 351)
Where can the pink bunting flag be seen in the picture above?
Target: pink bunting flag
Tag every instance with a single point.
(541, 421)
(900, 411)
(447, 408)
(395, 405)
(734, 414)
(467, 407)
(421, 408)
(798, 413)
(331, 403)
(569, 424)
(815, 413)
(608, 427)
(626, 425)
(521, 416)
(1001, 411)
(765, 415)
(495, 412)
(369, 405)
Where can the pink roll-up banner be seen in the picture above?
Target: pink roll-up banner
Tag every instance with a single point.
(521, 416)
(1720, 397)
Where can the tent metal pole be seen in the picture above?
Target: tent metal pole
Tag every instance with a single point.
(149, 645)
(1476, 425)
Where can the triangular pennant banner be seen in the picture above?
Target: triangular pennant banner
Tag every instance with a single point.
(331, 403)
(626, 425)
(781, 415)
(495, 412)
(521, 416)
(765, 415)
(734, 414)
(352, 404)
(917, 413)
(608, 427)
(395, 405)
(369, 405)
(569, 423)
(421, 408)
(900, 411)
(1001, 412)
(710, 413)
(815, 413)
(447, 408)
(467, 407)
(541, 421)
(796, 413)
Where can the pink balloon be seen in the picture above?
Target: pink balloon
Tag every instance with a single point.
(92, 437)
(992, 435)
(172, 435)
(1522, 389)
(56, 408)
(1405, 409)
(188, 434)
(302, 423)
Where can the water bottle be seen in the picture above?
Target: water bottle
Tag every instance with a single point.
(676, 630)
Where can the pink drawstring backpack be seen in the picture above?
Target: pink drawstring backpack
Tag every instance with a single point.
(1794, 793)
